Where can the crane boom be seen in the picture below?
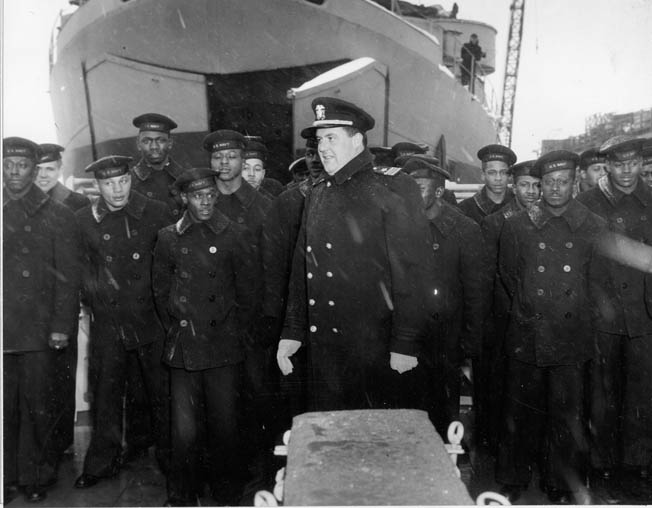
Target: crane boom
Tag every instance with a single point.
(511, 71)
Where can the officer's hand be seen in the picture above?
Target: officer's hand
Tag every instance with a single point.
(286, 348)
(58, 340)
(402, 363)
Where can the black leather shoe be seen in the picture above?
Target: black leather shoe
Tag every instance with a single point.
(34, 494)
(86, 480)
(512, 492)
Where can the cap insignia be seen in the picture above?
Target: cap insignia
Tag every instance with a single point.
(320, 112)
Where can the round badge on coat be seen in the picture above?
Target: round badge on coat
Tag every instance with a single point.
(212, 249)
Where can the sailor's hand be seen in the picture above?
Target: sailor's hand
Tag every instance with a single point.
(58, 340)
(402, 363)
(286, 348)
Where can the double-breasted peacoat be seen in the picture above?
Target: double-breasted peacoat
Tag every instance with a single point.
(204, 285)
(545, 263)
(158, 184)
(117, 275)
(360, 280)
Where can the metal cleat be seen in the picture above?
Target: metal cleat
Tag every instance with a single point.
(492, 498)
(264, 498)
(282, 450)
(280, 484)
(454, 448)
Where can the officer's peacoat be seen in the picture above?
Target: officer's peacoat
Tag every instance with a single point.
(360, 279)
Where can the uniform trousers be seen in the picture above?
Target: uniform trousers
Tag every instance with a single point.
(442, 367)
(488, 381)
(205, 417)
(543, 422)
(107, 378)
(65, 394)
(138, 421)
(637, 405)
(261, 402)
(30, 452)
(606, 399)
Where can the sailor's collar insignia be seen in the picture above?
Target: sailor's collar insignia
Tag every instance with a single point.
(320, 112)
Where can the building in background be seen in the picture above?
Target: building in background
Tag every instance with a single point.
(600, 127)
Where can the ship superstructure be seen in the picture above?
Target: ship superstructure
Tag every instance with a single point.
(255, 65)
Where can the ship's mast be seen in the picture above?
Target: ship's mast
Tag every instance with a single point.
(511, 71)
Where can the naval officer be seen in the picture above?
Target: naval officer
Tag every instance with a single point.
(359, 283)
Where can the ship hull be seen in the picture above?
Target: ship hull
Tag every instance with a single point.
(229, 64)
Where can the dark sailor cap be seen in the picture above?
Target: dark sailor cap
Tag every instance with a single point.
(299, 166)
(646, 152)
(554, 161)
(223, 139)
(49, 152)
(383, 155)
(109, 166)
(419, 168)
(255, 150)
(311, 141)
(522, 169)
(154, 122)
(591, 156)
(19, 147)
(622, 147)
(497, 153)
(407, 148)
(430, 159)
(333, 112)
(194, 179)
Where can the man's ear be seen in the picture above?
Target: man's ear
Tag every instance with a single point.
(170, 142)
(358, 140)
(439, 192)
(184, 198)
